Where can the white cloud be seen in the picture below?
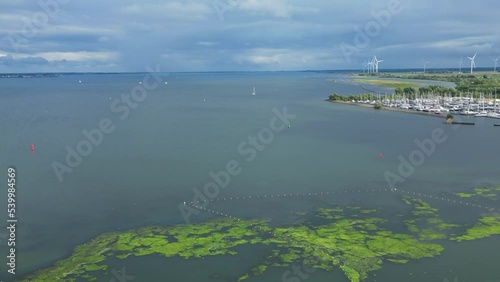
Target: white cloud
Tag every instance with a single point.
(255, 35)
(65, 29)
(82, 56)
(480, 42)
(184, 11)
(207, 43)
(285, 59)
(277, 8)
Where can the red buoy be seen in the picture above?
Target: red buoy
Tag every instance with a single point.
(32, 148)
(380, 155)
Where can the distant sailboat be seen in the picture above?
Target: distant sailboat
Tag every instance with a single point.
(253, 93)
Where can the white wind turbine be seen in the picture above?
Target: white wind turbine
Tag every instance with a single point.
(460, 65)
(425, 65)
(376, 61)
(370, 66)
(472, 63)
(366, 66)
(495, 60)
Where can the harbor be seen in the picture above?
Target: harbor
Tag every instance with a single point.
(430, 105)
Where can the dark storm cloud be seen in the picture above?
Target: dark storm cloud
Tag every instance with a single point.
(190, 35)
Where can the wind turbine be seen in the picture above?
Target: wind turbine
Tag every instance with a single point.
(370, 66)
(460, 65)
(425, 65)
(472, 63)
(495, 60)
(366, 66)
(376, 61)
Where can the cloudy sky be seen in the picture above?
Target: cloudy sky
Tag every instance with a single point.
(246, 35)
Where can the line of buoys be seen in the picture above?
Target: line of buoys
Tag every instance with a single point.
(290, 239)
(321, 194)
(447, 200)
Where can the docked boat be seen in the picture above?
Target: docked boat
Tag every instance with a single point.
(482, 114)
(493, 115)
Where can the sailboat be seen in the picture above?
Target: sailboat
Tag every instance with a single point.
(494, 114)
(253, 93)
(483, 113)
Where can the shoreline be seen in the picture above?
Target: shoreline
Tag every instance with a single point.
(390, 109)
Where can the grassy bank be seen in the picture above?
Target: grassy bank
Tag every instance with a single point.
(478, 83)
(386, 83)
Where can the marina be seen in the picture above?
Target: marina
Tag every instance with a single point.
(434, 104)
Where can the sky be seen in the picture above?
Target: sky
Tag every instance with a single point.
(244, 35)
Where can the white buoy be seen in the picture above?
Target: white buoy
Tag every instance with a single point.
(166, 83)
(79, 81)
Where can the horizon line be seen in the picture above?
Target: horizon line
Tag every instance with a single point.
(243, 71)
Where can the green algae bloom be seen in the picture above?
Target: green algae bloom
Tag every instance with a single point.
(491, 193)
(301, 213)
(350, 239)
(486, 227)
(425, 222)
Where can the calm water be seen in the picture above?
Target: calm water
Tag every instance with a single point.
(182, 131)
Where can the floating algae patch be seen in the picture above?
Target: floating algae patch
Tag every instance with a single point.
(85, 258)
(491, 193)
(486, 227)
(355, 245)
(301, 213)
(425, 222)
(342, 212)
(189, 241)
(349, 239)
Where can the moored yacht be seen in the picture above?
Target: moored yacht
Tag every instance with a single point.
(493, 115)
